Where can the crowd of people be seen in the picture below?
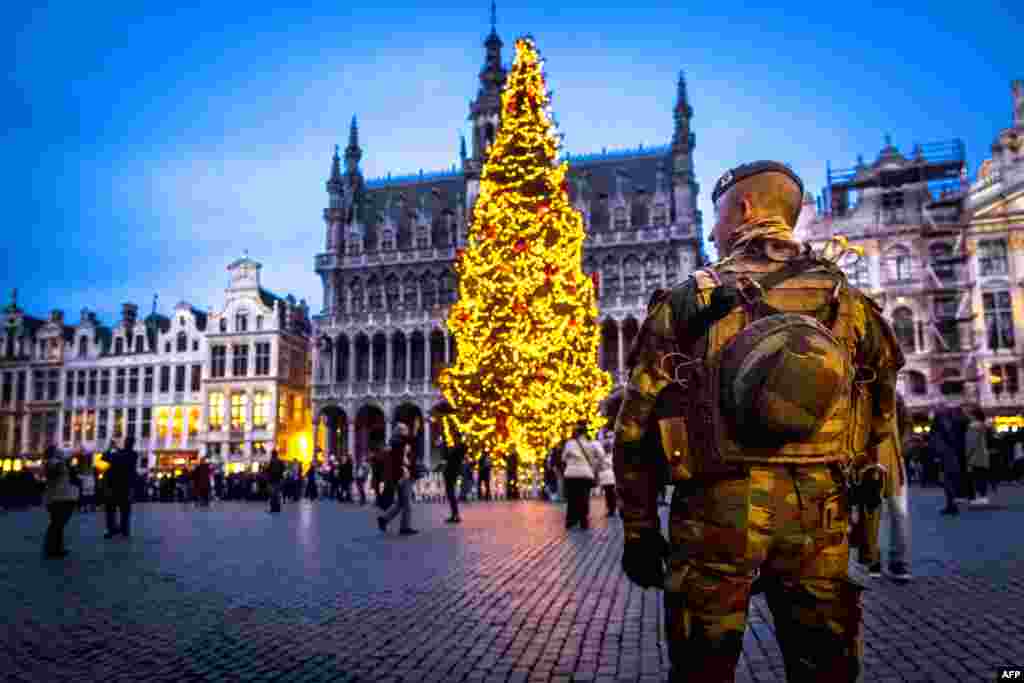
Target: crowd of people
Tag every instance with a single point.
(960, 453)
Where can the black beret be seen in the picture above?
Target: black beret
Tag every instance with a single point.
(734, 175)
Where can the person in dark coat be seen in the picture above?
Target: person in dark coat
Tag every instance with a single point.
(346, 473)
(201, 483)
(484, 481)
(946, 445)
(275, 477)
(120, 483)
(454, 459)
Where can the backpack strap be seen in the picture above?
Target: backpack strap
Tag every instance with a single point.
(747, 292)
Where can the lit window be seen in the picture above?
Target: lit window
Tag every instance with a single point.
(238, 402)
(260, 409)
(161, 421)
(177, 422)
(216, 416)
(193, 421)
(1003, 378)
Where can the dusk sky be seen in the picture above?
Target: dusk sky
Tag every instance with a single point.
(145, 149)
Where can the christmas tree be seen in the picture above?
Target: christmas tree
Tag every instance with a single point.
(525, 323)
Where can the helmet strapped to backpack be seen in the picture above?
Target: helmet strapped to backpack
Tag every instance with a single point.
(780, 380)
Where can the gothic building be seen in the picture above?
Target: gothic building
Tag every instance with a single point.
(387, 266)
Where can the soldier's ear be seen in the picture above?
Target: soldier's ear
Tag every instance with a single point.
(747, 207)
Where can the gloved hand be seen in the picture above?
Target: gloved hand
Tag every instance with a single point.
(643, 560)
(872, 483)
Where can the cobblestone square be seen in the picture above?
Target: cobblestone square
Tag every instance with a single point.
(319, 594)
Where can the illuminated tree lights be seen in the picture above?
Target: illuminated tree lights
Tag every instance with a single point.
(526, 318)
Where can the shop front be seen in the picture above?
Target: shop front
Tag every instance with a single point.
(176, 462)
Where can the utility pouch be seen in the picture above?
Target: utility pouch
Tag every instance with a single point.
(675, 441)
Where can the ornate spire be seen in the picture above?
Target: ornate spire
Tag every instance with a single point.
(335, 166)
(682, 113)
(353, 153)
(492, 73)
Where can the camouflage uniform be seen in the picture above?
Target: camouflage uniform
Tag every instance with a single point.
(730, 522)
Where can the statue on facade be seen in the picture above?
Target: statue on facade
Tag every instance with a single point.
(1018, 103)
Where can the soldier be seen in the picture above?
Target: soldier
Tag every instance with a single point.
(765, 386)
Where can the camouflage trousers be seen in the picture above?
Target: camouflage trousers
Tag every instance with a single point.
(789, 525)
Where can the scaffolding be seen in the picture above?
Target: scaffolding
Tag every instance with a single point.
(923, 194)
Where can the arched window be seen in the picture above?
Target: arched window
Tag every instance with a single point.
(620, 218)
(83, 346)
(356, 290)
(632, 281)
(182, 342)
(387, 239)
(140, 343)
(392, 293)
(241, 322)
(903, 326)
(638, 212)
(599, 214)
(376, 296)
(223, 325)
(660, 219)
(119, 346)
(610, 277)
(900, 265)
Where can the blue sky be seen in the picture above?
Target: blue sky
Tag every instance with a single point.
(147, 146)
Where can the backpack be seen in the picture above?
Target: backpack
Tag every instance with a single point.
(767, 380)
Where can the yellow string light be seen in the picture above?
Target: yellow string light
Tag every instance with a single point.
(525, 322)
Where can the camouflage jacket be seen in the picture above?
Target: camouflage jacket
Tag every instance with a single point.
(640, 464)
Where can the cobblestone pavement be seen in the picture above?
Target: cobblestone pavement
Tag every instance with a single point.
(318, 594)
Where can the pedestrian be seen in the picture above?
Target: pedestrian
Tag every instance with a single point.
(402, 471)
(360, 473)
(120, 484)
(946, 443)
(454, 456)
(346, 474)
(311, 490)
(979, 463)
(741, 387)
(60, 497)
(894, 506)
(377, 467)
(466, 488)
(579, 456)
(605, 471)
(484, 482)
(87, 489)
(275, 477)
(201, 483)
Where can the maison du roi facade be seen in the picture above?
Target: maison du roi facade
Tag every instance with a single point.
(387, 265)
(230, 384)
(945, 258)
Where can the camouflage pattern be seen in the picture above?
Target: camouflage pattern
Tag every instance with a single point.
(789, 523)
(731, 520)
